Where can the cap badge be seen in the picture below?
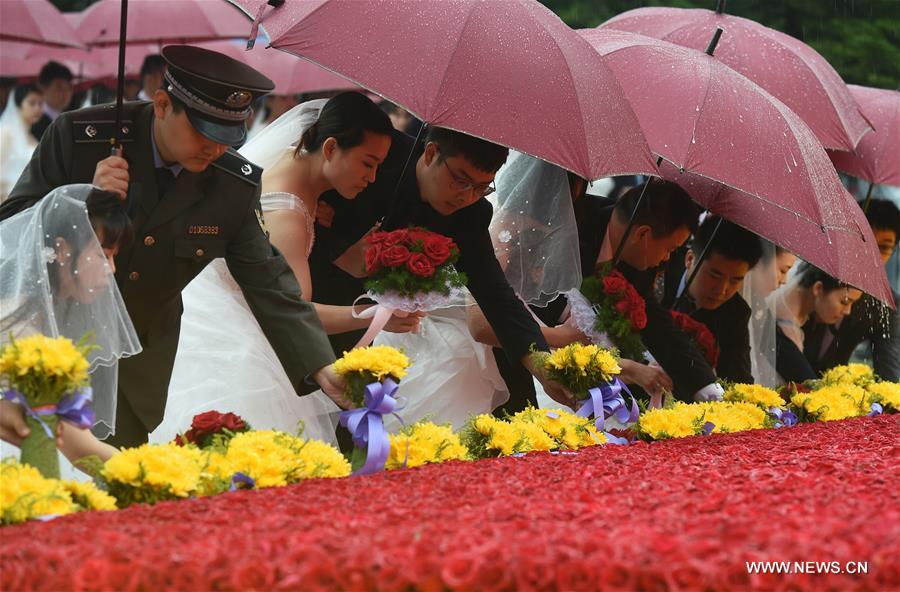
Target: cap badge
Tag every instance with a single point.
(246, 169)
(239, 99)
(90, 131)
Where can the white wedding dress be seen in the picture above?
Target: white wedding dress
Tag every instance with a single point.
(16, 147)
(225, 363)
(451, 377)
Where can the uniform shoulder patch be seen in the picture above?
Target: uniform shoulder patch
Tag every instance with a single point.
(235, 164)
(101, 131)
(97, 124)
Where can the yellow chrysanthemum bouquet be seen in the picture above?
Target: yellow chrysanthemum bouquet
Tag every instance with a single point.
(766, 398)
(590, 373)
(858, 374)
(690, 419)
(885, 394)
(831, 402)
(268, 458)
(486, 436)
(424, 443)
(253, 459)
(25, 494)
(850, 390)
(371, 374)
(567, 430)
(48, 377)
(152, 473)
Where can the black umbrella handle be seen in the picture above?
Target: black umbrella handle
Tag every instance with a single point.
(711, 48)
(120, 87)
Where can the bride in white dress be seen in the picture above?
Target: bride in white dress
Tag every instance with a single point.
(23, 108)
(224, 361)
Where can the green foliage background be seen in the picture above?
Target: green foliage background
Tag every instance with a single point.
(861, 38)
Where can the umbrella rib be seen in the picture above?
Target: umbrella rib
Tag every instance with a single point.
(702, 106)
(440, 93)
(579, 106)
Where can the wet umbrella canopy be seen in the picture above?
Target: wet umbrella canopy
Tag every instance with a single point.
(743, 154)
(36, 21)
(786, 67)
(162, 21)
(877, 157)
(510, 72)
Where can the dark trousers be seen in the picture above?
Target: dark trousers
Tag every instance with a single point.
(130, 430)
(518, 381)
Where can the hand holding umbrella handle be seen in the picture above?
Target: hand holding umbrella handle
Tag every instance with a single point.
(112, 174)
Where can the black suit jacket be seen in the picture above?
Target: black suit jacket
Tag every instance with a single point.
(169, 250)
(729, 324)
(790, 363)
(668, 344)
(394, 199)
(869, 319)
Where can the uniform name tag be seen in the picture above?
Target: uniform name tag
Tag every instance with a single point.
(213, 230)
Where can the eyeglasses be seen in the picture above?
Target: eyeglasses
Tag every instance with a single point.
(463, 185)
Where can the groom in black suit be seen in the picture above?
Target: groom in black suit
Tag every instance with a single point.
(713, 297)
(439, 185)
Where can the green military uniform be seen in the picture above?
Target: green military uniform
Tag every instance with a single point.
(202, 216)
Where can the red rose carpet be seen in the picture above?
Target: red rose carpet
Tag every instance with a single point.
(684, 514)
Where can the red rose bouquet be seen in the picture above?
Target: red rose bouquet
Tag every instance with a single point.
(610, 312)
(699, 334)
(206, 426)
(412, 268)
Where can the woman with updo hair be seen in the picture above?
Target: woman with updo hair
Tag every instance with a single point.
(809, 291)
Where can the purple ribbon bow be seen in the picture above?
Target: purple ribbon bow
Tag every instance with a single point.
(367, 424)
(607, 401)
(783, 417)
(73, 407)
(241, 481)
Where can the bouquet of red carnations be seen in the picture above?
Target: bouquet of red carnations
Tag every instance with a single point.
(412, 269)
(699, 334)
(609, 310)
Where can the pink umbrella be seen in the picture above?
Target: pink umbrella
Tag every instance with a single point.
(15, 63)
(290, 75)
(26, 59)
(510, 72)
(36, 21)
(786, 67)
(877, 157)
(743, 154)
(162, 21)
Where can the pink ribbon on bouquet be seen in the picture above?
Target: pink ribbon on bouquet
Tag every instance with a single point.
(380, 316)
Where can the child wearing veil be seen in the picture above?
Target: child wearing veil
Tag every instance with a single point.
(56, 279)
(224, 362)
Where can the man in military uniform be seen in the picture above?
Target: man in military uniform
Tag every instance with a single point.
(191, 199)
